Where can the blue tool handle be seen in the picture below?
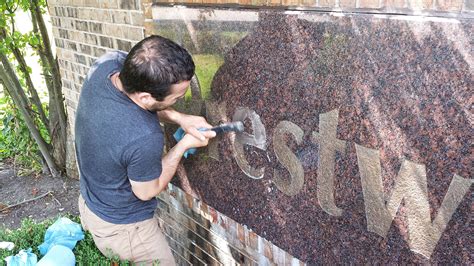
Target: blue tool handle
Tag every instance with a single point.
(179, 135)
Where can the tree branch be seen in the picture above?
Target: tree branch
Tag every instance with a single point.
(26, 201)
(13, 87)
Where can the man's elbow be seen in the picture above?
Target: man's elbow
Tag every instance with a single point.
(143, 195)
(147, 192)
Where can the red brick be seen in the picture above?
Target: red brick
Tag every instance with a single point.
(347, 3)
(289, 2)
(450, 5)
(259, 2)
(369, 3)
(189, 200)
(213, 214)
(308, 2)
(327, 3)
(253, 240)
(395, 3)
(241, 233)
(420, 4)
(267, 250)
(204, 209)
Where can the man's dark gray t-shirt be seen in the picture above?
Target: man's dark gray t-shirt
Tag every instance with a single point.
(116, 140)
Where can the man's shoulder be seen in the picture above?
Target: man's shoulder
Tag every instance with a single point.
(115, 55)
(107, 63)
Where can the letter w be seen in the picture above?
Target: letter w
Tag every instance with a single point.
(411, 185)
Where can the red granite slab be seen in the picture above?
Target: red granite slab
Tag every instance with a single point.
(400, 86)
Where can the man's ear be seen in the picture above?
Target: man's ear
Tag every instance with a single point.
(145, 98)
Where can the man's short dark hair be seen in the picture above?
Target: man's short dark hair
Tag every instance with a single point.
(153, 65)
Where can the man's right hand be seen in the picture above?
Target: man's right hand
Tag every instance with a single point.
(189, 141)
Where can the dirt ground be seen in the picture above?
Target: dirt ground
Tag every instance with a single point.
(15, 189)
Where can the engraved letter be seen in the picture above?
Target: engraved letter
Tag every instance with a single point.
(288, 159)
(328, 145)
(410, 185)
(215, 114)
(258, 139)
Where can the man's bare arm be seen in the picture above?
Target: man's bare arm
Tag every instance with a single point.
(150, 189)
(190, 123)
(169, 115)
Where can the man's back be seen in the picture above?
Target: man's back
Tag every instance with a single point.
(116, 140)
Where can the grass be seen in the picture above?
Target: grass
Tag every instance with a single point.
(206, 67)
(31, 235)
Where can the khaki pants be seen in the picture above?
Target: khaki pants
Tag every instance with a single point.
(141, 242)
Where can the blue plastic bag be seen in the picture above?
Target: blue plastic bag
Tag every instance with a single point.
(58, 255)
(23, 258)
(63, 232)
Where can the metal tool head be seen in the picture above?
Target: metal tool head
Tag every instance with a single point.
(237, 126)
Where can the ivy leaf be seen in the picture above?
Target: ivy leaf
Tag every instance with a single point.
(3, 48)
(8, 41)
(24, 4)
(34, 40)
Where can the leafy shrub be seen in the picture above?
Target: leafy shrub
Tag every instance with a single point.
(15, 139)
(31, 234)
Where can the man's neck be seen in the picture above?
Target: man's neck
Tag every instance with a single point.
(118, 85)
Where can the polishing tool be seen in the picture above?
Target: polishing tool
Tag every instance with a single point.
(222, 128)
(237, 126)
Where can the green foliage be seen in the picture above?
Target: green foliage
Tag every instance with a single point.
(15, 141)
(28, 235)
(31, 234)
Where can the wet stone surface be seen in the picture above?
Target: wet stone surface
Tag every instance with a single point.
(381, 126)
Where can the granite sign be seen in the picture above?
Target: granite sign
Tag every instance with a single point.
(358, 142)
(410, 183)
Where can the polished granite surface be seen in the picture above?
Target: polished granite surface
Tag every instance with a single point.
(358, 143)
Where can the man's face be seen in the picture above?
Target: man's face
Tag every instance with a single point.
(178, 91)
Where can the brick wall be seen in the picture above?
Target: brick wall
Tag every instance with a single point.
(83, 30)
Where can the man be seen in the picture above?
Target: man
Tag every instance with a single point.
(119, 145)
